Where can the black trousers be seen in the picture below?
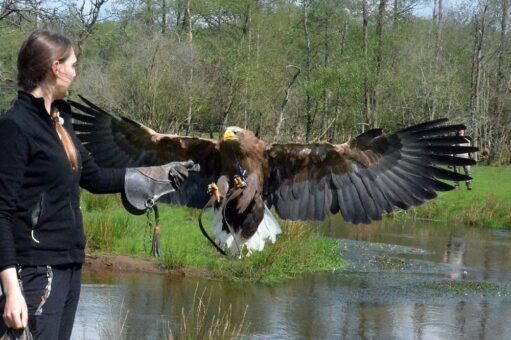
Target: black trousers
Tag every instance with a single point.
(52, 294)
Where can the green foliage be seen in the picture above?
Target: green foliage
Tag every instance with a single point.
(8, 54)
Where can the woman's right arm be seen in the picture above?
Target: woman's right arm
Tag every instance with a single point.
(15, 312)
(13, 161)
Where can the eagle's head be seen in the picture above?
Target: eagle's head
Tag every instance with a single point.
(234, 133)
(244, 141)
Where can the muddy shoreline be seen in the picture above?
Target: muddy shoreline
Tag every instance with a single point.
(113, 263)
(121, 263)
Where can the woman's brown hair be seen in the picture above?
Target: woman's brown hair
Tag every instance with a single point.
(35, 59)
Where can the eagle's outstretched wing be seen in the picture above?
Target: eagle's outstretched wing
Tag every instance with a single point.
(366, 176)
(119, 142)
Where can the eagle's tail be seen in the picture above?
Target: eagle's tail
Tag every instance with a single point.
(267, 230)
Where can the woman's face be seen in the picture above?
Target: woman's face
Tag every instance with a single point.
(65, 74)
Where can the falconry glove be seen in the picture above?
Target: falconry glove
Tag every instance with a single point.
(145, 185)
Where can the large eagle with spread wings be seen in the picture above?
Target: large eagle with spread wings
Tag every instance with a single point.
(361, 179)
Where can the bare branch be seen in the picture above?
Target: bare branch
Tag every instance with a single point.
(284, 103)
(87, 20)
(24, 10)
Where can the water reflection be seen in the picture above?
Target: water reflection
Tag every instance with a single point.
(486, 252)
(383, 304)
(454, 254)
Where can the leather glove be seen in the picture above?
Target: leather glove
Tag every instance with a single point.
(144, 186)
(179, 172)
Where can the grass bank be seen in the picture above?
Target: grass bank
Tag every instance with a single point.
(487, 205)
(109, 228)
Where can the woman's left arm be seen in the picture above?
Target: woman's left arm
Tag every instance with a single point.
(99, 180)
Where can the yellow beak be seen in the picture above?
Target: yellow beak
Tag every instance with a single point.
(229, 135)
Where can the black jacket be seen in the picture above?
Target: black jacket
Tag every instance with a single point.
(40, 217)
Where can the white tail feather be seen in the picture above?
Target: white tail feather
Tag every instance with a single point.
(267, 230)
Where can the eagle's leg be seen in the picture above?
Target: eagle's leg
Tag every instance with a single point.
(213, 190)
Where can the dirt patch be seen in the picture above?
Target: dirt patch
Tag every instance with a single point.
(110, 263)
(121, 263)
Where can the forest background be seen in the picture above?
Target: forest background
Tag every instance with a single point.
(299, 71)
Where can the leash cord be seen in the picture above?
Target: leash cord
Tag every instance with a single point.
(231, 229)
(204, 232)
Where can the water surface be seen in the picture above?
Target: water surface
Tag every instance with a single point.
(403, 281)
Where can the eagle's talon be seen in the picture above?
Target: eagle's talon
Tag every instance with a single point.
(239, 182)
(213, 190)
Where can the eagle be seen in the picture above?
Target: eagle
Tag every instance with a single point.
(242, 177)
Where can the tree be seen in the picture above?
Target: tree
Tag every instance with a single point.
(198, 65)
(86, 15)
(502, 81)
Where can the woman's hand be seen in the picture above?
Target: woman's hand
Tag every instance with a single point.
(15, 311)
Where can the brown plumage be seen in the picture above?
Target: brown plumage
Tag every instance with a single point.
(361, 179)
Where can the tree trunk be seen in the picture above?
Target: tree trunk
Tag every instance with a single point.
(501, 85)
(247, 36)
(326, 62)
(178, 12)
(186, 17)
(435, 5)
(379, 59)
(283, 107)
(344, 33)
(149, 14)
(88, 19)
(326, 23)
(163, 16)
(395, 15)
(501, 76)
(477, 59)
(437, 22)
(230, 101)
(367, 89)
(438, 28)
(308, 66)
(190, 78)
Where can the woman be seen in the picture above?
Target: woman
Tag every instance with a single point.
(42, 166)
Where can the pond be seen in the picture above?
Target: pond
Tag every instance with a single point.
(402, 281)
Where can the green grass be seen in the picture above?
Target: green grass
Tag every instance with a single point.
(487, 205)
(206, 319)
(109, 228)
